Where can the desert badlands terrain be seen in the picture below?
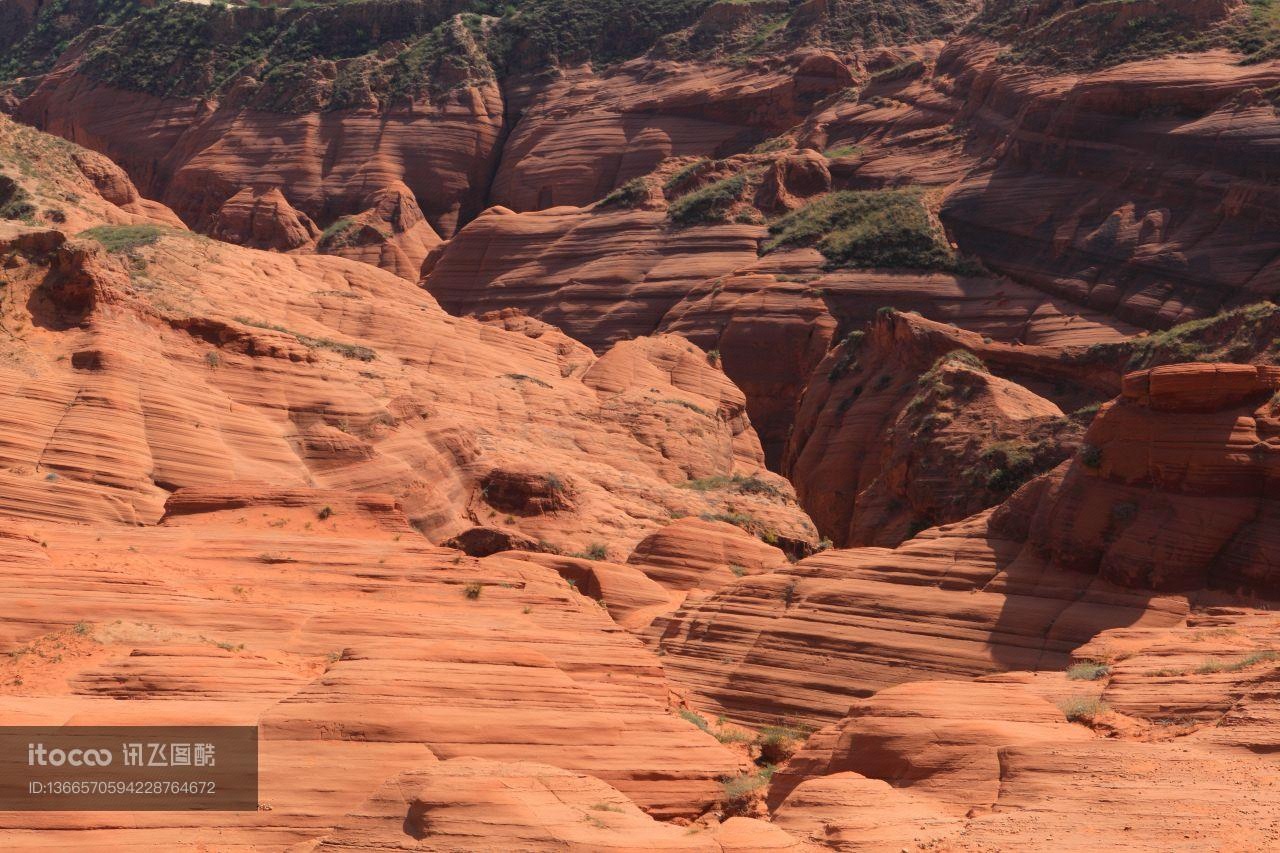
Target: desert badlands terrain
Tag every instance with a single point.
(710, 425)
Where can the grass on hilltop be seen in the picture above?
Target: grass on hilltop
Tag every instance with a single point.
(119, 239)
(868, 228)
(711, 203)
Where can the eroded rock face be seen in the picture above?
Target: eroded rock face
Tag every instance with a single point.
(262, 220)
(600, 276)
(1150, 250)
(1140, 190)
(846, 811)
(431, 162)
(940, 739)
(391, 233)
(220, 457)
(469, 804)
(903, 427)
(230, 610)
(1182, 441)
(604, 274)
(631, 598)
(1212, 681)
(1026, 772)
(521, 579)
(703, 554)
(1019, 576)
(960, 601)
(323, 372)
(584, 134)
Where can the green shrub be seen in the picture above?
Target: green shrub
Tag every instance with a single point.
(354, 351)
(685, 404)
(747, 522)
(739, 789)
(595, 551)
(1212, 666)
(633, 193)
(1085, 414)
(1012, 463)
(683, 174)
(1088, 671)
(695, 718)
(15, 201)
(777, 143)
(708, 204)
(909, 68)
(1235, 335)
(473, 590)
(1091, 456)
(778, 743)
(1083, 709)
(848, 358)
(733, 736)
(523, 377)
(961, 357)
(747, 485)
(119, 239)
(875, 228)
(838, 151)
(333, 235)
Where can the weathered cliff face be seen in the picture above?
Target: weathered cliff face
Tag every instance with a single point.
(310, 370)
(1183, 442)
(970, 766)
(609, 272)
(904, 426)
(519, 571)
(1143, 190)
(956, 602)
(1021, 585)
(1147, 191)
(1140, 191)
(240, 439)
(584, 134)
(429, 162)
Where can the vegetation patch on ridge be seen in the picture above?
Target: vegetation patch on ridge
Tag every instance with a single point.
(119, 239)
(1083, 34)
(869, 228)
(1246, 335)
(711, 203)
(742, 484)
(354, 351)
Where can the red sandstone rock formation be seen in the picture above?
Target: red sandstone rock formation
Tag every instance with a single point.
(1183, 442)
(904, 426)
(585, 134)
(469, 804)
(196, 155)
(194, 363)
(484, 582)
(262, 220)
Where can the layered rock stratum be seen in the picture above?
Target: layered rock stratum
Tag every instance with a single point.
(682, 425)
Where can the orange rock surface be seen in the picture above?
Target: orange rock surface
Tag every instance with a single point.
(195, 155)
(660, 426)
